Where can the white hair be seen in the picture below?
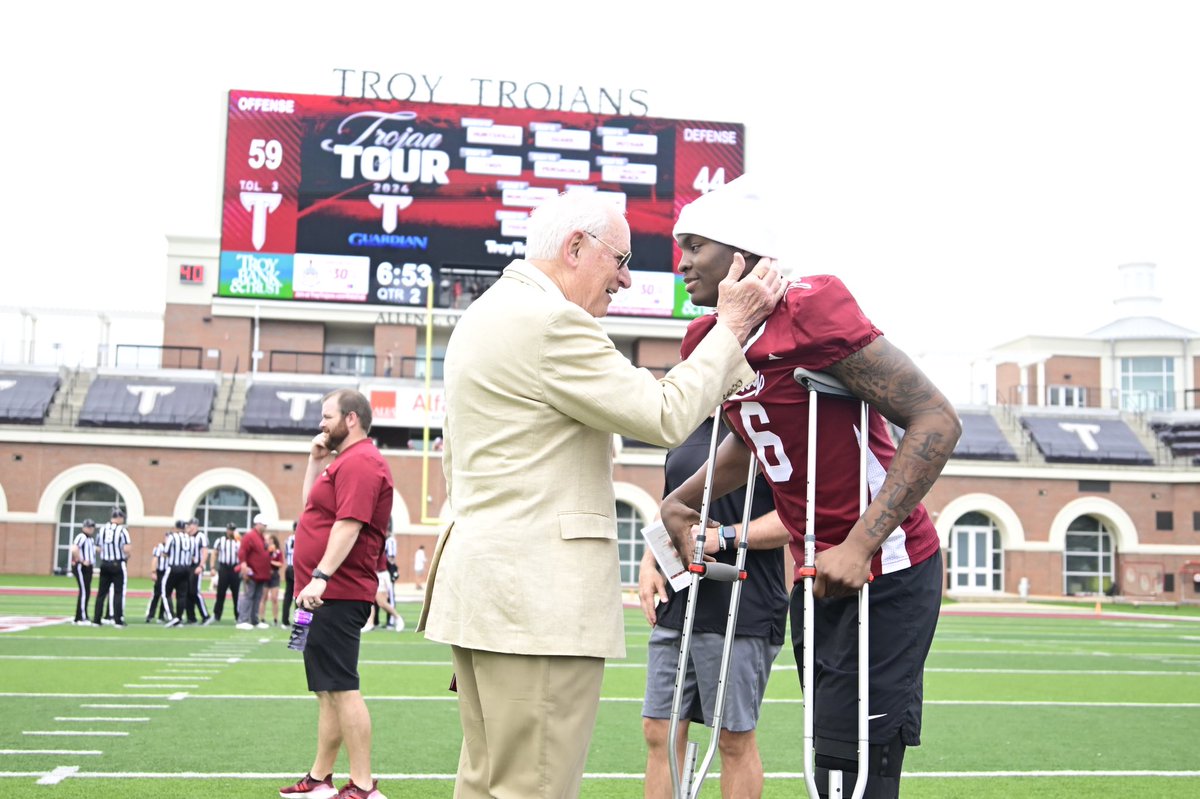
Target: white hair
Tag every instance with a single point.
(556, 218)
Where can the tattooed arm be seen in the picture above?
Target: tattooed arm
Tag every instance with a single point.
(892, 384)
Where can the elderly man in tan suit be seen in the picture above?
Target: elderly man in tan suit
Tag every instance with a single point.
(524, 585)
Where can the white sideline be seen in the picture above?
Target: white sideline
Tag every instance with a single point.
(781, 775)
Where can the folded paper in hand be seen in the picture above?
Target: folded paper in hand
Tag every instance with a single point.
(660, 544)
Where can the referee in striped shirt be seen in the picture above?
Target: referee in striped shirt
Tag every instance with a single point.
(178, 557)
(227, 576)
(83, 555)
(195, 599)
(112, 552)
(160, 577)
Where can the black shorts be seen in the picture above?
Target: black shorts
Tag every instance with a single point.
(331, 653)
(904, 609)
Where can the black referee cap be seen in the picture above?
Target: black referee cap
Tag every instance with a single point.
(180, 524)
(231, 526)
(88, 523)
(118, 512)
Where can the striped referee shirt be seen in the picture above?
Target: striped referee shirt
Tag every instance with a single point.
(111, 540)
(87, 548)
(178, 554)
(159, 551)
(199, 545)
(289, 546)
(227, 549)
(389, 549)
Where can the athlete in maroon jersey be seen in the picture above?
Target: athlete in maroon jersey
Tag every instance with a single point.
(819, 326)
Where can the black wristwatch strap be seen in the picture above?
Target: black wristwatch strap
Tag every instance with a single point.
(320, 575)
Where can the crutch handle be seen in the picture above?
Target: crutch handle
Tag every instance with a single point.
(717, 572)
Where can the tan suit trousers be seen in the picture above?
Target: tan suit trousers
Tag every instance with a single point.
(527, 721)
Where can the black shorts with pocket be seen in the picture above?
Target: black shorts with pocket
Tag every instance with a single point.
(904, 607)
(331, 653)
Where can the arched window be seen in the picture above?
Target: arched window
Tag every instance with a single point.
(1088, 562)
(630, 544)
(223, 505)
(976, 555)
(93, 501)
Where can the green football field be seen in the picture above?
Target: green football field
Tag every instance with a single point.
(1048, 704)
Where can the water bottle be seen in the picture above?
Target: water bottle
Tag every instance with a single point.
(300, 625)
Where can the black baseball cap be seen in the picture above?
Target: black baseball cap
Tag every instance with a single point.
(87, 523)
(231, 526)
(118, 512)
(180, 524)
(194, 521)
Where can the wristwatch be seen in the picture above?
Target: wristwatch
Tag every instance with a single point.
(320, 575)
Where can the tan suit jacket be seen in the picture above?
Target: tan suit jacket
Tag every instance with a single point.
(534, 391)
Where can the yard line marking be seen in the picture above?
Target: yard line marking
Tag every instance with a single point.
(180, 695)
(74, 733)
(1108, 672)
(590, 775)
(58, 775)
(1050, 703)
(101, 718)
(87, 752)
(175, 678)
(129, 659)
(63, 695)
(162, 685)
(127, 707)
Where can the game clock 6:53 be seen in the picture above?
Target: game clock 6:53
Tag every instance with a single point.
(403, 284)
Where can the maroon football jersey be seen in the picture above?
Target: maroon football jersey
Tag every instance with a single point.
(816, 324)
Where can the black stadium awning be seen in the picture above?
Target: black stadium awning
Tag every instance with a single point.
(151, 403)
(982, 439)
(1086, 440)
(274, 408)
(26, 398)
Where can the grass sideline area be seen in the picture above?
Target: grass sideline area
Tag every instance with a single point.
(1057, 702)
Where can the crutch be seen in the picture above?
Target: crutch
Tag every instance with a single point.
(687, 785)
(820, 383)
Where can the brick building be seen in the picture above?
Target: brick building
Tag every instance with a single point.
(1080, 477)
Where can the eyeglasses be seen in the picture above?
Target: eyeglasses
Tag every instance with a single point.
(622, 257)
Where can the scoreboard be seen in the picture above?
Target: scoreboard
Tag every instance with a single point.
(379, 202)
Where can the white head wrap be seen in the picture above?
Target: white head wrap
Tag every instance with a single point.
(736, 214)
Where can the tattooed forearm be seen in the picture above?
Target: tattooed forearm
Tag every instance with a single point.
(893, 385)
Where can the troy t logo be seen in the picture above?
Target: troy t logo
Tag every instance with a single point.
(148, 396)
(390, 204)
(259, 204)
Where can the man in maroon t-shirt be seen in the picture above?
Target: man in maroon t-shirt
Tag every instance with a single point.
(254, 565)
(339, 551)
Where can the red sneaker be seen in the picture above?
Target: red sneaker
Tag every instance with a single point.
(309, 788)
(352, 791)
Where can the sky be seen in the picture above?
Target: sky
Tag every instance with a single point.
(974, 171)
